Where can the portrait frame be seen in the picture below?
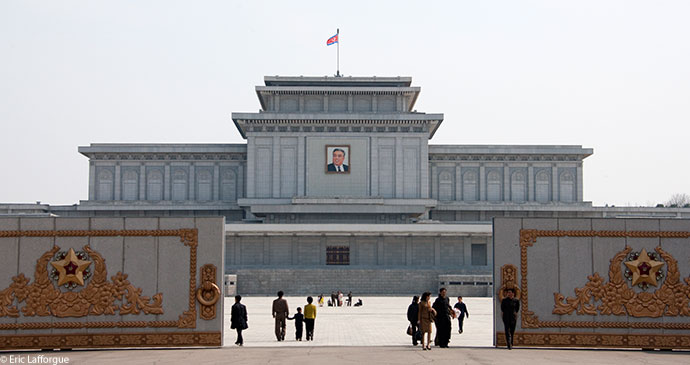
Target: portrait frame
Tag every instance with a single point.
(329, 165)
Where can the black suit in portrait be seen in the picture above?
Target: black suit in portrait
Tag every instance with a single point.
(331, 168)
(238, 320)
(509, 309)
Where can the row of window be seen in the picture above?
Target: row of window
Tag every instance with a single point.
(179, 187)
(518, 187)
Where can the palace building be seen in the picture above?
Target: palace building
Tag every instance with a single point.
(338, 188)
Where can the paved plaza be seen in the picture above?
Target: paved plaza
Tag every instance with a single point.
(381, 321)
(371, 334)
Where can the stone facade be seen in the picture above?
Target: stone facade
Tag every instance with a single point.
(280, 177)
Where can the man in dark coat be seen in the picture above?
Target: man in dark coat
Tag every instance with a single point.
(443, 310)
(412, 316)
(238, 319)
(509, 309)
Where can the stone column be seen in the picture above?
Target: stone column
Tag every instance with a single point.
(424, 169)
(142, 182)
(166, 182)
(192, 182)
(399, 167)
(506, 182)
(118, 182)
(374, 172)
(350, 104)
(92, 181)
(530, 183)
(467, 246)
(301, 168)
(482, 182)
(408, 250)
(458, 183)
(374, 103)
(275, 174)
(216, 181)
(578, 181)
(437, 252)
(251, 156)
(276, 102)
(325, 103)
(300, 99)
(555, 182)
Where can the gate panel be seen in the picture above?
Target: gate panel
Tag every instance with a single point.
(595, 282)
(110, 282)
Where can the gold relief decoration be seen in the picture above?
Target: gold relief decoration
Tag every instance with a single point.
(656, 341)
(17, 342)
(43, 298)
(208, 293)
(643, 270)
(71, 269)
(617, 298)
(508, 281)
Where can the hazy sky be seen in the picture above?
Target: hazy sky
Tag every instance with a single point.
(610, 75)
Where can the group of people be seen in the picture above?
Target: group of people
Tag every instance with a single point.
(422, 314)
(281, 313)
(337, 299)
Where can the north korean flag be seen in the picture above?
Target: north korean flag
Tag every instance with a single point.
(332, 40)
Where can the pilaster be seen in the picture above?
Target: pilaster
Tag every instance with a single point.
(530, 183)
(482, 182)
(506, 182)
(555, 182)
(92, 181)
(275, 174)
(166, 182)
(437, 251)
(216, 181)
(374, 172)
(142, 182)
(301, 168)
(192, 181)
(424, 170)
(118, 182)
(467, 250)
(251, 192)
(399, 167)
(578, 181)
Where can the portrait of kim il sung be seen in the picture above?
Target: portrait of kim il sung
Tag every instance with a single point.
(337, 159)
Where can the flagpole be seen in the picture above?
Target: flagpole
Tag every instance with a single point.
(338, 35)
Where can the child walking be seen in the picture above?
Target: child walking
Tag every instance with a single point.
(299, 319)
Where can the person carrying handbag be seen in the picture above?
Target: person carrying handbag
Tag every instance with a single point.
(413, 318)
(426, 317)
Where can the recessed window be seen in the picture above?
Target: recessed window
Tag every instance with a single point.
(338, 255)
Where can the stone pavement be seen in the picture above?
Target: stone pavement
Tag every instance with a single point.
(381, 321)
(371, 334)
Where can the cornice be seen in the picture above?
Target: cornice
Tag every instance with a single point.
(505, 157)
(240, 157)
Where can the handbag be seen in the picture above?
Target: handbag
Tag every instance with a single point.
(432, 316)
(409, 330)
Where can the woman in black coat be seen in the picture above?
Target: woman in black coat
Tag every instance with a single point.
(238, 319)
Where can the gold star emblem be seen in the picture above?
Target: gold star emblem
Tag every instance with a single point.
(644, 269)
(71, 269)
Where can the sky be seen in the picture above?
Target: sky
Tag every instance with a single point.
(609, 75)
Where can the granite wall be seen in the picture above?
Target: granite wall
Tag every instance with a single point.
(595, 282)
(110, 282)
